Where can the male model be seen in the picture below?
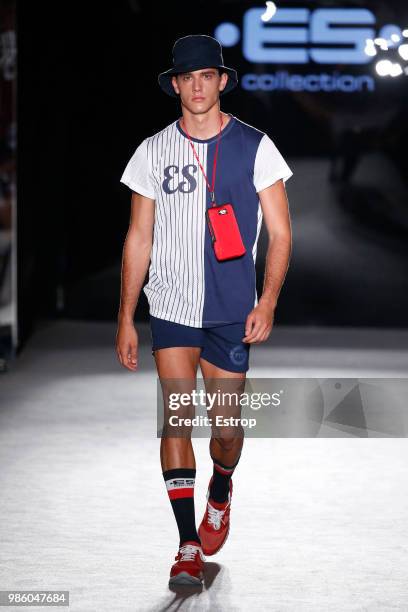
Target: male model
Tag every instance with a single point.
(204, 309)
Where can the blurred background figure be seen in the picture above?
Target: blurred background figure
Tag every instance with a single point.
(8, 230)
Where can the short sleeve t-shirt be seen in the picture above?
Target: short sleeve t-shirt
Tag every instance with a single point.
(187, 284)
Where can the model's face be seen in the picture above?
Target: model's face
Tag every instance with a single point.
(199, 90)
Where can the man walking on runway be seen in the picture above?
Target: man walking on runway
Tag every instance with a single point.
(203, 303)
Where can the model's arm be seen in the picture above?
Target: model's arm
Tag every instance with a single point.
(135, 263)
(275, 209)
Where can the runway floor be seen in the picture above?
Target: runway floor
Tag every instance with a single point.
(317, 524)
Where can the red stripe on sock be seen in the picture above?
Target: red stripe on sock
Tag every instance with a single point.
(222, 470)
(177, 493)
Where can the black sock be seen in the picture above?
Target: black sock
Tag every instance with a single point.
(221, 477)
(180, 488)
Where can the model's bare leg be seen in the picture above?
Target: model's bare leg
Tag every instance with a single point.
(225, 451)
(225, 447)
(179, 364)
(177, 370)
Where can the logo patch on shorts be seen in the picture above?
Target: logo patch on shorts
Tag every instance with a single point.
(237, 355)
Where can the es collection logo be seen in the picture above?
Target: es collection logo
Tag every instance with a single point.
(325, 36)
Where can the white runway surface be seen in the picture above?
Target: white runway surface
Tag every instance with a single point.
(316, 524)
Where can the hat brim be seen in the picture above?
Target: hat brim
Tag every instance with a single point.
(164, 79)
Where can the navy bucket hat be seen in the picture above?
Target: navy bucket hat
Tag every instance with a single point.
(193, 53)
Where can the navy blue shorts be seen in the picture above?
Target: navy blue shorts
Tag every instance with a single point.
(221, 346)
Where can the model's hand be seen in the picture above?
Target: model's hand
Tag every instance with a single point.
(127, 343)
(259, 324)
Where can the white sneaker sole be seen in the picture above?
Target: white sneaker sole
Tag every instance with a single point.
(185, 578)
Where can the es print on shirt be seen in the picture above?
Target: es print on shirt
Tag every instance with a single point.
(187, 284)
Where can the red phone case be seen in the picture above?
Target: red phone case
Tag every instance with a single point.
(225, 234)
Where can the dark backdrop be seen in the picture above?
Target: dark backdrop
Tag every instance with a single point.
(88, 95)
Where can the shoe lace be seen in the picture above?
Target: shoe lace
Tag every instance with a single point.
(188, 552)
(215, 516)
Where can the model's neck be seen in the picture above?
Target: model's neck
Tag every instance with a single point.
(204, 125)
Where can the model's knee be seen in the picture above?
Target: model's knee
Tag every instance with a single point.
(228, 442)
(171, 439)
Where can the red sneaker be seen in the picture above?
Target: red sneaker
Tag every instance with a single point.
(190, 564)
(214, 528)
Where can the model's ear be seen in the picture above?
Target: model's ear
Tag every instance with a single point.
(223, 81)
(174, 83)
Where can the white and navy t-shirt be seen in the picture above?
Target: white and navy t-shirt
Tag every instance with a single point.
(187, 284)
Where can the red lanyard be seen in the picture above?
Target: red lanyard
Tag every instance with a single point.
(210, 188)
